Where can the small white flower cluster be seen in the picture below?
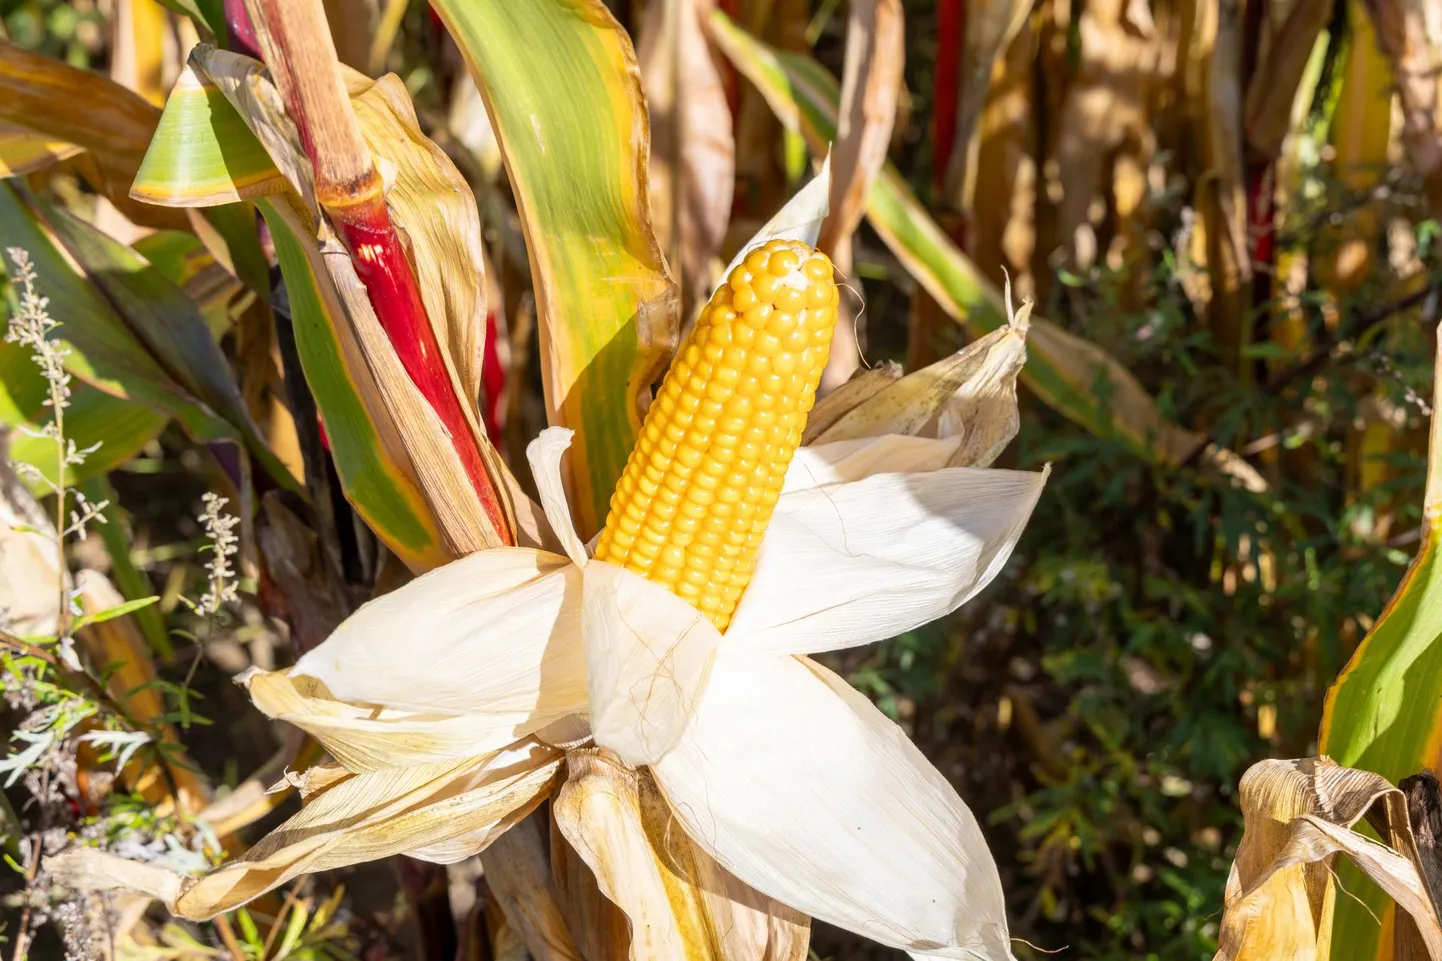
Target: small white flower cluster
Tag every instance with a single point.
(220, 528)
(32, 326)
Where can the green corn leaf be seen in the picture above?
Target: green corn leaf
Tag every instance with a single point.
(1071, 375)
(167, 322)
(104, 352)
(1384, 712)
(561, 82)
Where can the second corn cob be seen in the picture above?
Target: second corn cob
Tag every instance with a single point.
(704, 477)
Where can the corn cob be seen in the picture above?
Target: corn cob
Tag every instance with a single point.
(703, 479)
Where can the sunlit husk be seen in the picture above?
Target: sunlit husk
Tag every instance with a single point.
(800, 787)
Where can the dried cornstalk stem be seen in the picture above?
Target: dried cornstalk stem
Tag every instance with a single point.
(298, 49)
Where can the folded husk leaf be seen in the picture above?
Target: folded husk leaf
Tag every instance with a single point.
(1281, 893)
(442, 812)
(680, 902)
(972, 393)
(863, 385)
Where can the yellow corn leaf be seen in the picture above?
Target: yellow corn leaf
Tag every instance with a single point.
(693, 153)
(142, 48)
(990, 26)
(24, 151)
(1359, 137)
(1409, 32)
(1281, 892)
(680, 902)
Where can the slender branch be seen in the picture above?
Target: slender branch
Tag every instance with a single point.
(32, 870)
(1361, 323)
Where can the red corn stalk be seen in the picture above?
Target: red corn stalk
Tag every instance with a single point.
(950, 25)
(350, 190)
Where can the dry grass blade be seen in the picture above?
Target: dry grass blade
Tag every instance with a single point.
(520, 879)
(1410, 34)
(990, 26)
(1299, 815)
(693, 152)
(1289, 30)
(871, 87)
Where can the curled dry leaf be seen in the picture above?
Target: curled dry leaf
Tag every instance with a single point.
(1299, 814)
(863, 385)
(971, 395)
(693, 151)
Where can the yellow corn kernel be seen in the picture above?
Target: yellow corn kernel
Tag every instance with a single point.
(732, 408)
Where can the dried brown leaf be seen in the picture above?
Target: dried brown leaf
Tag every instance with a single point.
(520, 879)
(1299, 815)
(990, 26)
(693, 152)
(680, 902)
(1410, 34)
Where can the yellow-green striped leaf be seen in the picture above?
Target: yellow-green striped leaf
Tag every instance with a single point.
(561, 81)
(203, 152)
